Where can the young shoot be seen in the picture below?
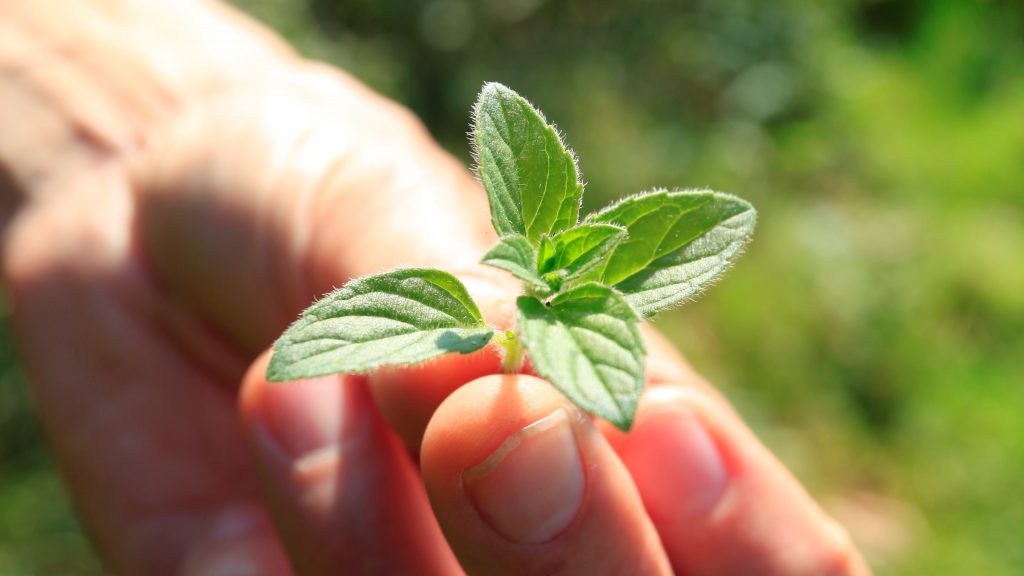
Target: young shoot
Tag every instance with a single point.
(587, 284)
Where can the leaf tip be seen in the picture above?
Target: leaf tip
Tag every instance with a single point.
(625, 423)
(491, 87)
(489, 92)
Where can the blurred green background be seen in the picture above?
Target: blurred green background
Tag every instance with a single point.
(873, 334)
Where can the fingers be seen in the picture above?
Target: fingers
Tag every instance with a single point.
(268, 197)
(103, 79)
(343, 492)
(145, 436)
(239, 541)
(408, 395)
(522, 484)
(721, 502)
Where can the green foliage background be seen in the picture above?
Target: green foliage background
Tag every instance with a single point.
(873, 334)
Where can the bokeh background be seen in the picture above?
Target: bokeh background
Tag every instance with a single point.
(873, 334)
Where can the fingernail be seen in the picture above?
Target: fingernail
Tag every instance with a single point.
(302, 420)
(531, 488)
(676, 464)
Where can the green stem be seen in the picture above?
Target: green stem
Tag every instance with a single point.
(512, 351)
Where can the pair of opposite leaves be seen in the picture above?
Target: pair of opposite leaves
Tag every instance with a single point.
(587, 284)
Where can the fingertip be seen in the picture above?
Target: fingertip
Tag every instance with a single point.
(253, 380)
(340, 487)
(480, 415)
(407, 396)
(721, 502)
(522, 483)
(674, 457)
(663, 362)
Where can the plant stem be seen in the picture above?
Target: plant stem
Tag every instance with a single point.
(512, 351)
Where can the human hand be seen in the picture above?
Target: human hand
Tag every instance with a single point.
(176, 201)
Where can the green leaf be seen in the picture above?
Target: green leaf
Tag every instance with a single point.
(530, 177)
(586, 342)
(404, 316)
(679, 243)
(515, 255)
(582, 250)
(545, 253)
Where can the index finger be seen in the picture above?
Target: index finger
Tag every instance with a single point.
(721, 502)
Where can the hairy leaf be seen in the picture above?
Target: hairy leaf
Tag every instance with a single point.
(679, 242)
(545, 253)
(581, 250)
(586, 342)
(404, 316)
(530, 177)
(515, 255)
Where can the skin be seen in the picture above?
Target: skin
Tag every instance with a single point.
(176, 186)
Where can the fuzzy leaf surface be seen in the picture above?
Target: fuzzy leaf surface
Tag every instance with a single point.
(586, 342)
(581, 250)
(515, 255)
(404, 316)
(530, 177)
(679, 243)
(546, 253)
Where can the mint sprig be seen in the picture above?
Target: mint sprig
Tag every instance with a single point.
(587, 285)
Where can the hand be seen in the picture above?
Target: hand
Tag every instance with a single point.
(175, 199)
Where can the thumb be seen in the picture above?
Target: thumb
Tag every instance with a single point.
(264, 198)
(523, 483)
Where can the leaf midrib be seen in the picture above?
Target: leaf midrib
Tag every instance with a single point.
(547, 175)
(661, 242)
(404, 297)
(371, 359)
(576, 343)
(413, 327)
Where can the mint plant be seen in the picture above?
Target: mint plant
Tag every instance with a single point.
(586, 284)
